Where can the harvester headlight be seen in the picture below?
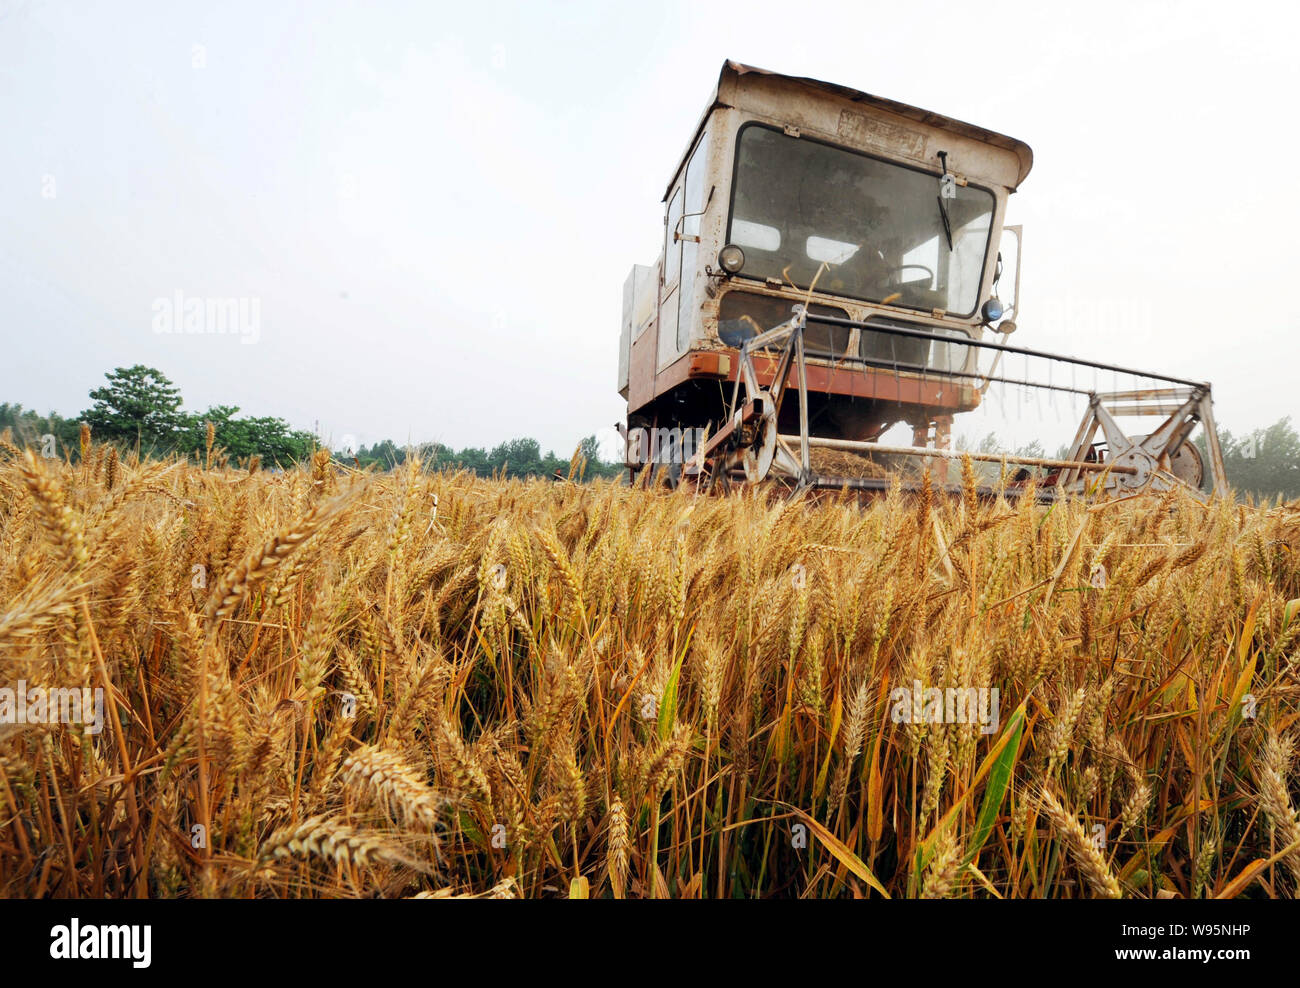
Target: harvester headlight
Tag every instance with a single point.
(992, 311)
(731, 259)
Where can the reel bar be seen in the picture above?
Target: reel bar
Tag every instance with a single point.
(924, 371)
(919, 334)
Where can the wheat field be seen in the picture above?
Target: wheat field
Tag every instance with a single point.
(322, 682)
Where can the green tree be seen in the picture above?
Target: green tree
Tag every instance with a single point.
(519, 457)
(1265, 462)
(438, 455)
(270, 438)
(29, 428)
(589, 450)
(473, 458)
(138, 405)
(385, 454)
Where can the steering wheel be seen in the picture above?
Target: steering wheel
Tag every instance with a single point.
(903, 267)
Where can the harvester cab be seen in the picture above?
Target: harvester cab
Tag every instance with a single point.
(848, 253)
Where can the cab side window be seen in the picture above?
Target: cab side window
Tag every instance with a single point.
(672, 249)
(692, 208)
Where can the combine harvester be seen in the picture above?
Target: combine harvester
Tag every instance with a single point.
(832, 269)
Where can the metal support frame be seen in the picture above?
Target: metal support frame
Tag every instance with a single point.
(1162, 460)
(749, 445)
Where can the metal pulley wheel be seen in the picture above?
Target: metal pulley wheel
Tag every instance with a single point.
(1135, 458)
(1188, 465)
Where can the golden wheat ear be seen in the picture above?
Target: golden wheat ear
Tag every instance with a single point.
(235, 585)
(62, 524)
(1086, 855)
(330, 839)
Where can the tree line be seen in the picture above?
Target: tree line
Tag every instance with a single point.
(139, 408)
(515, 458)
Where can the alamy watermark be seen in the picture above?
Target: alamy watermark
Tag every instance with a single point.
(198, 315)
(93, 941)
(53, 705)
(646, 446)
(952, 705)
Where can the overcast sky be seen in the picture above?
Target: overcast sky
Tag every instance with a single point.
(434, 206)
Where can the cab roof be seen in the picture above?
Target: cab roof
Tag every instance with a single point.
(733, 70)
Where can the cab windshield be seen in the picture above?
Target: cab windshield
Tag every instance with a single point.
(879, 226)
